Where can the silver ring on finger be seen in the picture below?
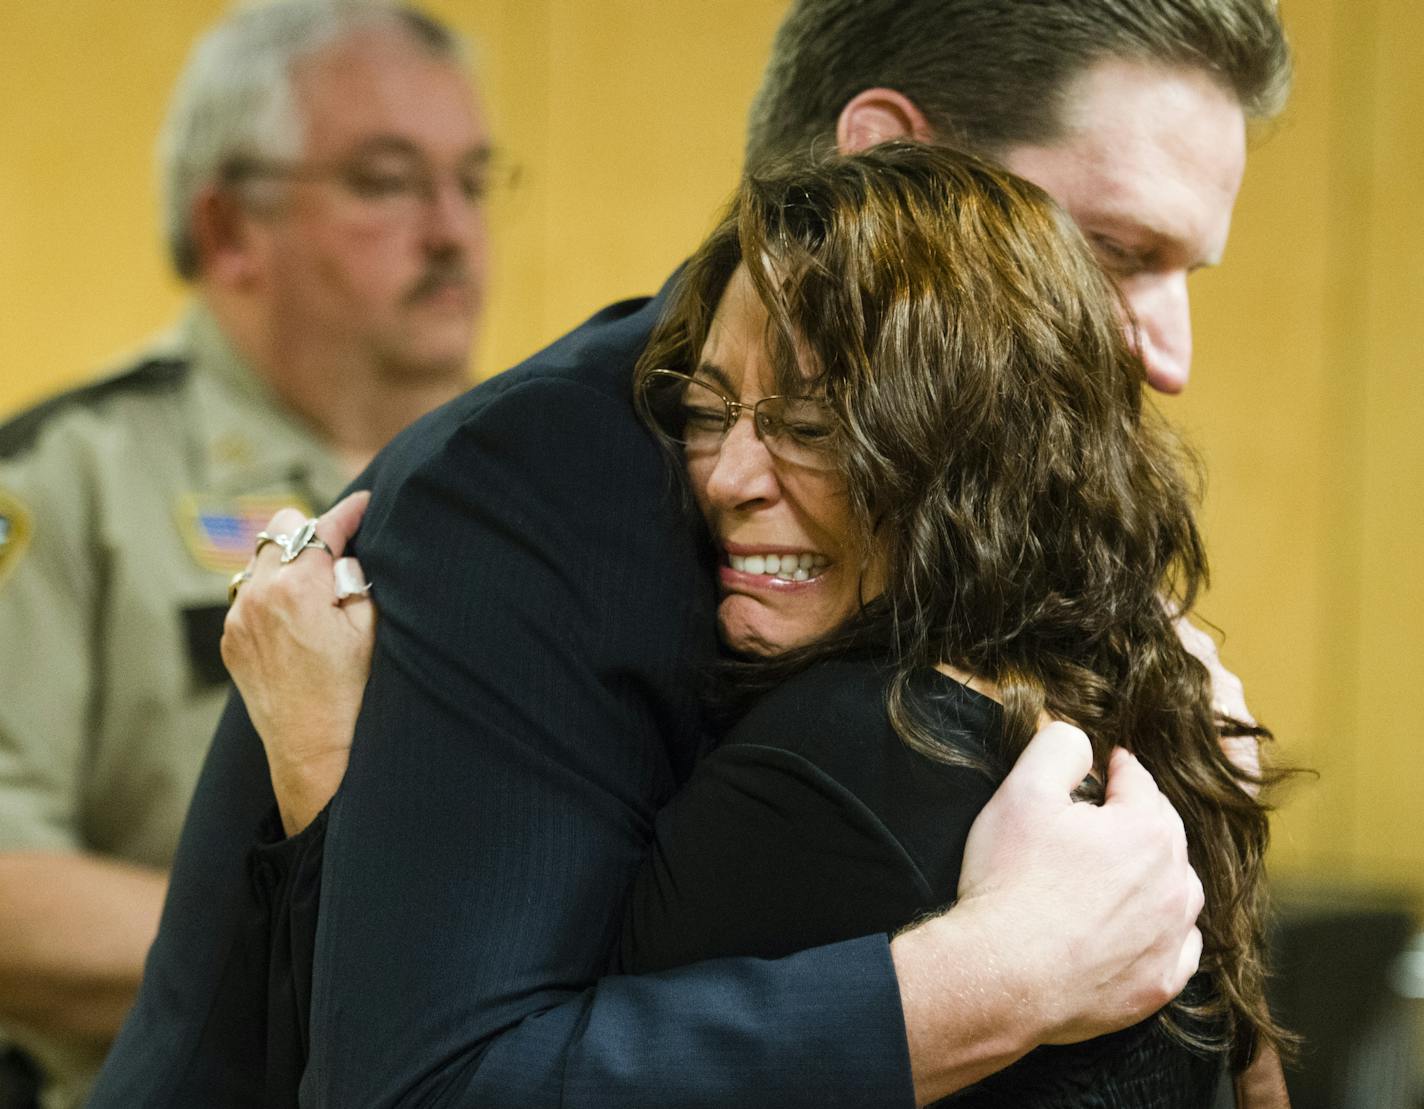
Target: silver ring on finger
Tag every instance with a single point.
(303, 539)
(239, 579)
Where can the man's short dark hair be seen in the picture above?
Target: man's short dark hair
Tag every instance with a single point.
(991, 74)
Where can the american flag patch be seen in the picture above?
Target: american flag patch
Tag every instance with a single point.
(14, 531)
(221, 532)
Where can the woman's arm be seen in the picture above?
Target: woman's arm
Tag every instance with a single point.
(1262, 1085)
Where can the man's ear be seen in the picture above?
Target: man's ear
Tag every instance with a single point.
(222, 236)
(879, 115)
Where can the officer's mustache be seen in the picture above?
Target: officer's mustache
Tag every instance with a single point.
(444, 269)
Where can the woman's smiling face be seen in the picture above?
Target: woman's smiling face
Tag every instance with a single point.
(792, 568)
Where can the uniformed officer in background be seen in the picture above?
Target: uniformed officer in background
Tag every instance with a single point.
(324, 165)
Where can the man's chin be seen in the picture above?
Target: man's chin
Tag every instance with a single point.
(431, 358)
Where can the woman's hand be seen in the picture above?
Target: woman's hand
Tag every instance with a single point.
(1262, 1085)
(1228, 700)
(300, 657)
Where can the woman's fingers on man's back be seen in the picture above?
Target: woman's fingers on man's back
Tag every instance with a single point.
(339, 523)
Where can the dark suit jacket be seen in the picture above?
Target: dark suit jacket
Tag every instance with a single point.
(531, 706)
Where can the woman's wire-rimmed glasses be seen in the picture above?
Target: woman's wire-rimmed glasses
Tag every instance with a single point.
(685, 410)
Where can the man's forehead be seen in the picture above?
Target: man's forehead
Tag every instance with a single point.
(1147, 202)
(1148, 152)
(379, 86)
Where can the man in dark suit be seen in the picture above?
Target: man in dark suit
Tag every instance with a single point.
(533, 701)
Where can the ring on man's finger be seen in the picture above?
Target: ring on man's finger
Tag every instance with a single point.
(239, 579)
(303, 539)
(264, 537)
(349, 579)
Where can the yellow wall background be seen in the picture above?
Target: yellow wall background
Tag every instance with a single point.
(626, 120)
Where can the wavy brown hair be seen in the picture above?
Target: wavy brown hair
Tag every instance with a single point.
(1035, 518)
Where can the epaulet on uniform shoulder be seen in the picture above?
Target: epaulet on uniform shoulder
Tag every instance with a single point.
(154, 375)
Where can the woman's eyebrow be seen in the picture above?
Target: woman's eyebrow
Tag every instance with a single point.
(716, 373)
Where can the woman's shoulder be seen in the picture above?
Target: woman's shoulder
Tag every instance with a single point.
(832, 718)
(834, 713)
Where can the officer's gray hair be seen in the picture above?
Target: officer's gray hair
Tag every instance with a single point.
(989, 74)
(234, 99)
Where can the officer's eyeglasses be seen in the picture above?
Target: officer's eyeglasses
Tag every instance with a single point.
(393, 184)
(690, 412)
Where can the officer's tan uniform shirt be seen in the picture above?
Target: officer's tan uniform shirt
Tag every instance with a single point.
(125, 507)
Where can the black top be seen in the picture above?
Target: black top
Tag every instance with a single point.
(815, 822)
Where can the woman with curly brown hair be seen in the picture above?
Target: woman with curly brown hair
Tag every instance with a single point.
(945, 518)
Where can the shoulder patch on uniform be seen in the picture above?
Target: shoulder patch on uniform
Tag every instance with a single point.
(14, 532)
(152, 375)
(221, 532)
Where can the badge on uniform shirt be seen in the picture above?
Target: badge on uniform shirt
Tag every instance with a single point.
(14, 532)
(221, 532)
